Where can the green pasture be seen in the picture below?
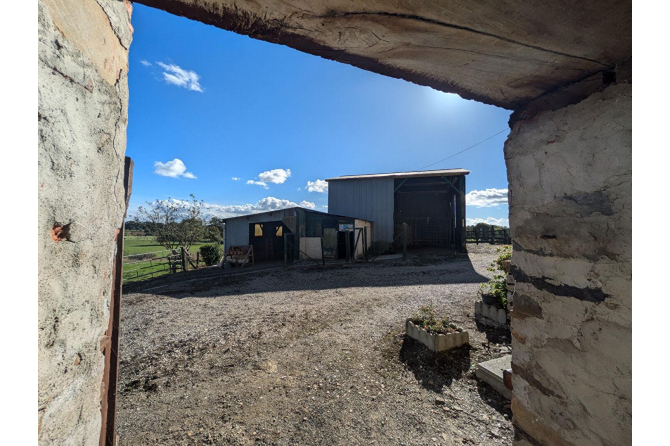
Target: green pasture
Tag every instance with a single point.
(133, 245)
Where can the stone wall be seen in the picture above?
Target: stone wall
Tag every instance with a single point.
(570, 180)
(82, 113)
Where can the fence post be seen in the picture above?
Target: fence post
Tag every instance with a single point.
(347, 247)
(323, 257)
(183, 259)
(404, 241)
(365, 242)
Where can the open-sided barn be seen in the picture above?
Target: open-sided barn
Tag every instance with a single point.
(430, 203)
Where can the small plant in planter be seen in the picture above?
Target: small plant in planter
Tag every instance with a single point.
(435, 333)
(494, 292)
(492, 310)
(427, 319)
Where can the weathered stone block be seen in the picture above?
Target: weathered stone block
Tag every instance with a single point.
(82, 116)
(491, 372)
(570, 174)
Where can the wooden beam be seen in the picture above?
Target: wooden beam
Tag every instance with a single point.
(111, 338)
(400, 185)
(452, 184)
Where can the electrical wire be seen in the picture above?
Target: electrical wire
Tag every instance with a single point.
(458, 153)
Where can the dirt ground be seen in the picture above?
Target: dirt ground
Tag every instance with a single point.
(308, 356)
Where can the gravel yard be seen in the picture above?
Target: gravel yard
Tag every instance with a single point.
(308, 356)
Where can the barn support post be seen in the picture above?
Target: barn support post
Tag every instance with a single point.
(460, 215)
(404, 241)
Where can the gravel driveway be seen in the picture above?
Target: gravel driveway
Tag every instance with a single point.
(308, 356)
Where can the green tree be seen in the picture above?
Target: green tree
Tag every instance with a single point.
(174, 223)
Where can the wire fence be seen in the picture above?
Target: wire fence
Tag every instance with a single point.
(493, 236)
(148, 265)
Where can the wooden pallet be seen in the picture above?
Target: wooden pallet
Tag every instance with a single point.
(240, 255)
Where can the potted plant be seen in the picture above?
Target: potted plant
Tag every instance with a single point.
(434, 332)
(492, 310)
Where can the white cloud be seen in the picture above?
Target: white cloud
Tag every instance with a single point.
(174, 169)
(236, 179)
(262, 205)
(320, 186)
(176, 75)
(488, 221)
(486, 198)
(276, 176)
(146, 63)
(258, 183)
(265, 204)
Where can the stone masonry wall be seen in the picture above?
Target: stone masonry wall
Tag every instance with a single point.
(570, 181)
(82, 112)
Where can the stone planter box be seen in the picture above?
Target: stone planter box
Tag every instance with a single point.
(490, 315)
(437, 342)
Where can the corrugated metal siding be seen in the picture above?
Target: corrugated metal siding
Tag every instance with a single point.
(368, 199)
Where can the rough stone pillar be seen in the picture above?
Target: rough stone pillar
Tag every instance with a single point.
(82, 113)
(570, 182)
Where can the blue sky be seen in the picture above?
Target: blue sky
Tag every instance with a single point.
(207, 106)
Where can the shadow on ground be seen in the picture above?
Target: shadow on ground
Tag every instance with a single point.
(419, 270)
(434, 370)
(495, 335)
(493, 399)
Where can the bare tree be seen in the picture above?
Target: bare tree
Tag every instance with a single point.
(174, 223)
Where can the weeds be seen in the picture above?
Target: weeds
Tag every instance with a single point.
(428, 319)
(497, 287)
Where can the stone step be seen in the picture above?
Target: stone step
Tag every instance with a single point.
(491, 372)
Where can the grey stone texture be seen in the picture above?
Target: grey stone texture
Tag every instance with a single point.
(437, 342)
(570, 180)
(82, 116)
(491, 372)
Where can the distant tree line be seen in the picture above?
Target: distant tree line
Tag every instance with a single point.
(176, 223)
(484, 228)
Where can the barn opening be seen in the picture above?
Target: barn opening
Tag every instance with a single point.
(422, 209)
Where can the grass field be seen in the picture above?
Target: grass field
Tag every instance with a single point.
(140, 265)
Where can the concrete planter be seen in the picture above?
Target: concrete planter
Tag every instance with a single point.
(491, 315)
(437, 342)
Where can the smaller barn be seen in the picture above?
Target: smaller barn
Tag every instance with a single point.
(296, 233)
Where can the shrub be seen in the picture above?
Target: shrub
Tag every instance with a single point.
(210, 254)
(497, 287)
(428, 319)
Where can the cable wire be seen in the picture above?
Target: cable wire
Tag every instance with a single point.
(458, 153)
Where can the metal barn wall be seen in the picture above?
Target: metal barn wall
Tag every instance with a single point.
(237, 229)
(368, 199)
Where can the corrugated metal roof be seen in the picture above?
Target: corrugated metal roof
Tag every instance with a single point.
(412, 174)
(252, 214)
